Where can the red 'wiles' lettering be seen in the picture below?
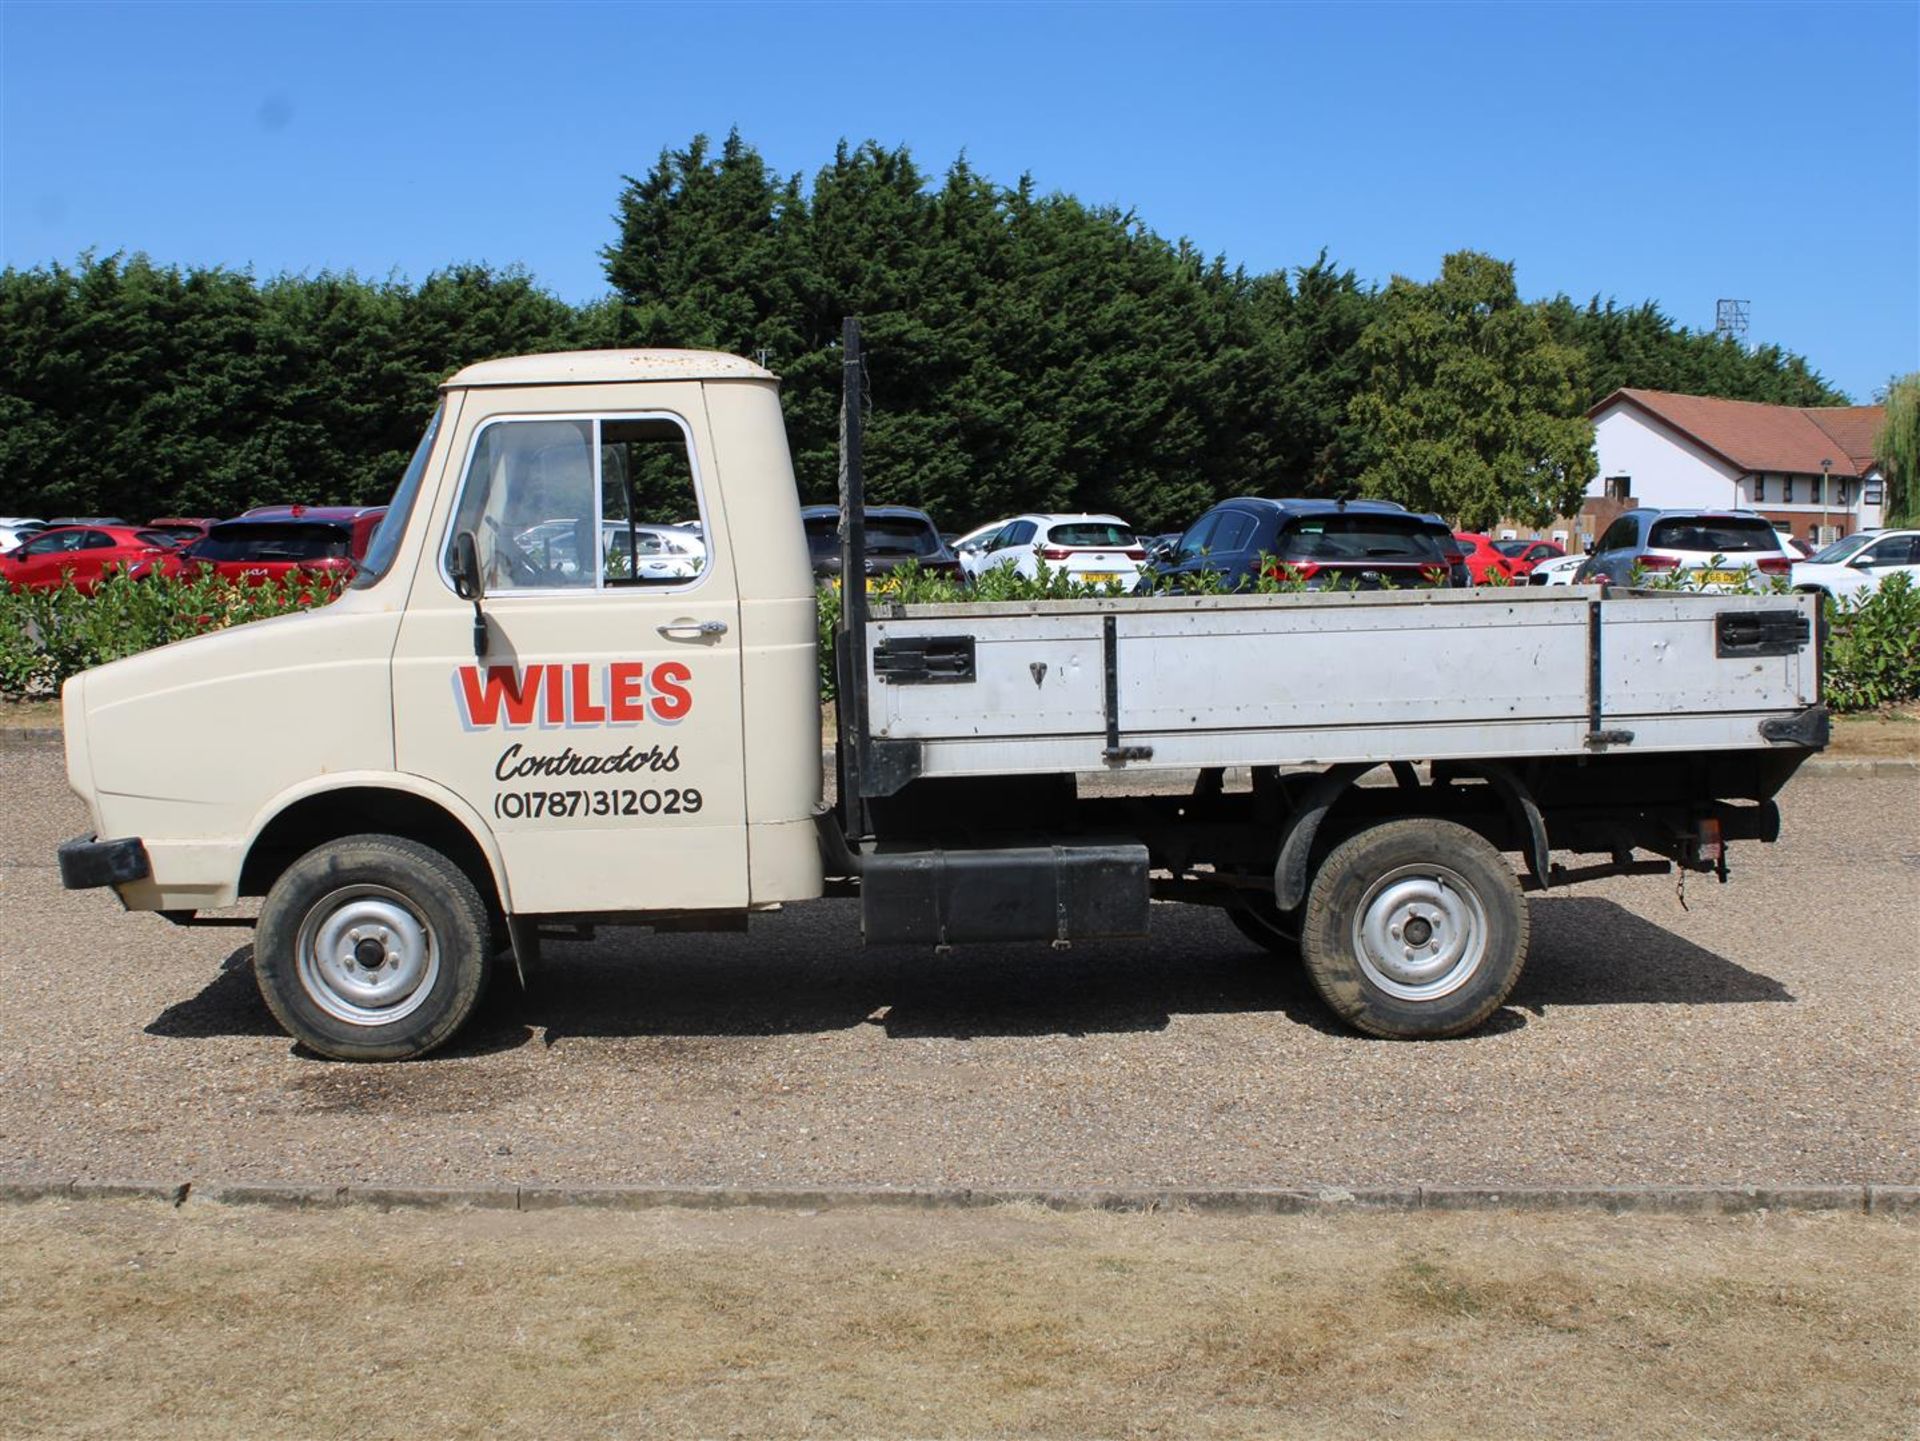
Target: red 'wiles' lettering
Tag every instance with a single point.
(581, 695)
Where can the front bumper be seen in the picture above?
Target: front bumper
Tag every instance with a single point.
(86, 862)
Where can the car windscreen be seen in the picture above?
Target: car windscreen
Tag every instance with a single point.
(891, 535)
(1842, 550)
(1722, 535)
(1512, 547)
(384, 544)
(256, 540)
(1104, 534)
(1350, 537)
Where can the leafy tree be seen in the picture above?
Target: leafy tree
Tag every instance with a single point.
(1897, 448)
(1470, 406)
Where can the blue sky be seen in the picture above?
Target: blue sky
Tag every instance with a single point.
(1675, 153)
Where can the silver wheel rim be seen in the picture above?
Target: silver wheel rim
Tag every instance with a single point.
(1420, 932)
(367, 956)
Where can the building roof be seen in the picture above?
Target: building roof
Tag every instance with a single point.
(1753, 437)
(591, 367)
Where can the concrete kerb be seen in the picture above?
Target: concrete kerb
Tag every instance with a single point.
(1872, 1199)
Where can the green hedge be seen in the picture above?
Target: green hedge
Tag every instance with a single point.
(1873, 646)
(49, 635)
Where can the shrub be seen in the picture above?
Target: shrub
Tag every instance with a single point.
(1873, 647)
(48, 635)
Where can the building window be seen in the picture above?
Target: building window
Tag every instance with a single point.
(1620, 488)
(1759, 490)
(1845, 499)
(1872, 494)
(1786, 490)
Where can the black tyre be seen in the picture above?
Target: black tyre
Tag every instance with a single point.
(372, 948)
(1415, 928)
(1266, 925)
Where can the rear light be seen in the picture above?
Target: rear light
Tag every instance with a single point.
(1294, 569)
(1775, 565)
(1659, 562)
(1137, 553)
(1054, 552)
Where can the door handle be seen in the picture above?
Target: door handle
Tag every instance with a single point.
(692, 629)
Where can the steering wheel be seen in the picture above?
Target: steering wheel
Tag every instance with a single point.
(519, 564)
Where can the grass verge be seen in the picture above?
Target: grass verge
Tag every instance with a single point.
(134, 1319)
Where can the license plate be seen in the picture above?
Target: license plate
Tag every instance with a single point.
(1098, 577)
(1722, 577)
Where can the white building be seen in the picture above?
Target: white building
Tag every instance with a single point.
(1808, 469)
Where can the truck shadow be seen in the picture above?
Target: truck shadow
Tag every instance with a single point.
(1592, 952)
(801, 974)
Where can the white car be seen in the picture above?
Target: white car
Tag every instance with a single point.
(1092, 549)
(16, 530)
(1558, 571)
(1860, 563)
(665, 552)
(975, 540)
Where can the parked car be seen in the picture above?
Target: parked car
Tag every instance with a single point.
(1861, 568)
(1363, 544)
(185, 529)
(86, 553)
(1526, 554)
(666, 553)
(1160, 548)
(1560, 570)
(15, 529)
(273, 541)
(1482, 560)
(1797, 549)
(974, 540)
(1711, 550)
(1092, 549)
(896, 534)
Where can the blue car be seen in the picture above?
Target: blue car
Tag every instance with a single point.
(1327, 544)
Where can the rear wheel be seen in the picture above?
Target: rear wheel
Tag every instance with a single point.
(1415, 928)
(372, 948)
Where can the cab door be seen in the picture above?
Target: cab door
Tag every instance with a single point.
(600, 735)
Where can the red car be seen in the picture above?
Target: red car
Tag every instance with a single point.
(273, 541)
(1526, 554)
(1481, 559)
(86, 552)
(184, 528)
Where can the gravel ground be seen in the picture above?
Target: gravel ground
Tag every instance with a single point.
(1764, 1033)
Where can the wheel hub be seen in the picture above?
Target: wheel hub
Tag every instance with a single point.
(366, 955)
(1420, 932)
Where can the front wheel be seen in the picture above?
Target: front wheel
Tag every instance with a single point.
(372, 948)
(1415, 928)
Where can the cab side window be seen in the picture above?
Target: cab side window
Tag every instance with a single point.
(577, 504)
(650, 528)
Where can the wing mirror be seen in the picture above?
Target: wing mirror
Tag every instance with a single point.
(469, 584)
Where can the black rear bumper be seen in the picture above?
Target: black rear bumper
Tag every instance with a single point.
(86, 862)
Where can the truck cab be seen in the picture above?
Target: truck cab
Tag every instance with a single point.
(574, 739)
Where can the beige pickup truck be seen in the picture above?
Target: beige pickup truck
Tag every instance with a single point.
(575, 684)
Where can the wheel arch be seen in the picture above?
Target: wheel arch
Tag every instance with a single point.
(349, 804)
(1292, 868)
